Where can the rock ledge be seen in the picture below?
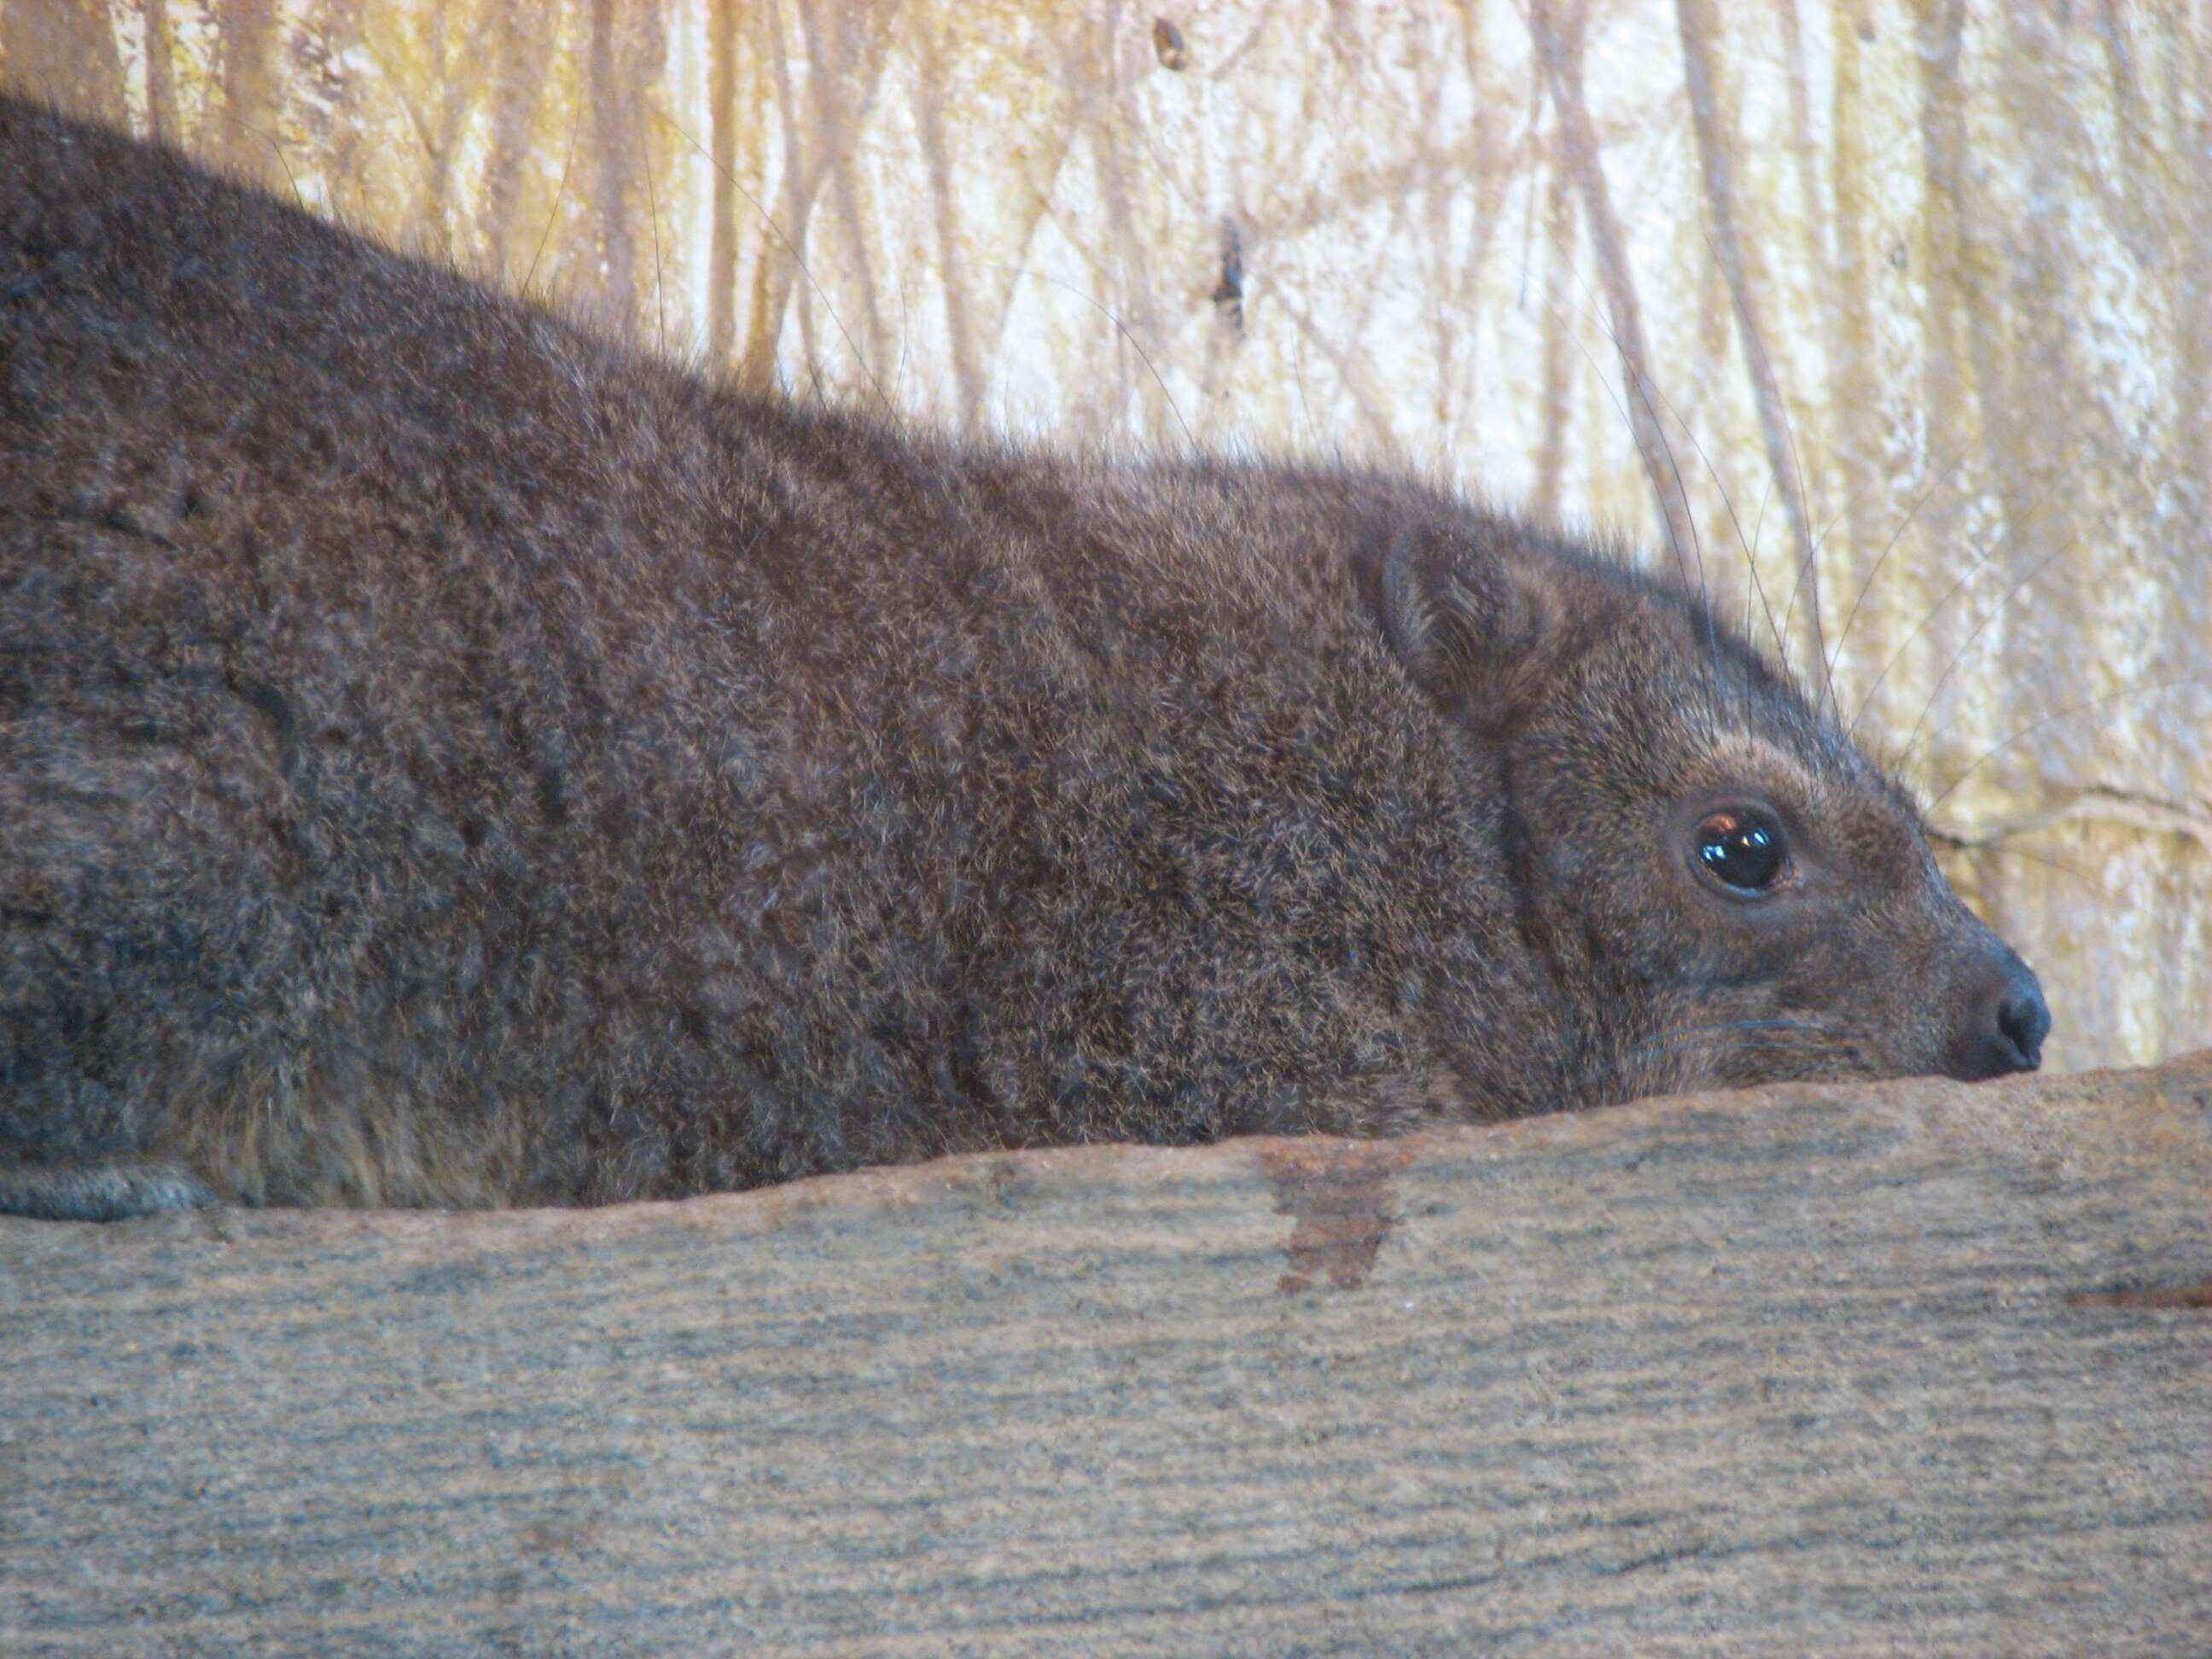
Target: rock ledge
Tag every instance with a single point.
(1813, 1368)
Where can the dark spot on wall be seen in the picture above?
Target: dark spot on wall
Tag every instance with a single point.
(1168, 45)
(1228, 295)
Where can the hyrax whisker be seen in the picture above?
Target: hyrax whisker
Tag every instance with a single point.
(791, 248)
(1753, 584)
(1683, 1037)
(1796, 500)
(1705, 595)
(553, 213)
(1751, 553)
(1120, 327)
(1959, 655)
(1641, 385)
(1993, 848)
(652, 224)
(1866, 701)
(276, 149)
(1912, 512)
(2051, 719)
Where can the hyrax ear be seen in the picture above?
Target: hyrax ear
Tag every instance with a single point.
(1467, 619)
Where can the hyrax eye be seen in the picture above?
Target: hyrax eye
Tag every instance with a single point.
(1742, 849)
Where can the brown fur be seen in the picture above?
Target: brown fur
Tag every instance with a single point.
(447, 759)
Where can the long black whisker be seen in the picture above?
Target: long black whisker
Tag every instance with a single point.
(276, 149)
(1888, 548)
(1705, 592)
(1751, 563)
(1107, 311)
(1801, 517)
(1906, 644)
(553, 213)
(1958, 656)
(2063, 714)
(1682, 1037)
(1705, 595)
(791, 247)
(1992, 849)
(652, 218)
(1758, 533)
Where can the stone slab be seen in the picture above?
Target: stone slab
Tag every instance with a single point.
(1814, 1369)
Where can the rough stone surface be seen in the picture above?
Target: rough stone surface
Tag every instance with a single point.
(1816, 1369)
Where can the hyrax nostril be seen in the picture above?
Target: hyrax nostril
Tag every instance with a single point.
(2004, 1027)
(2023, 1021)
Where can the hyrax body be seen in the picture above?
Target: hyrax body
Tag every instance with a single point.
(446, 759)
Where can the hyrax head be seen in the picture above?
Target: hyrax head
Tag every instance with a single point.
(1728, 889)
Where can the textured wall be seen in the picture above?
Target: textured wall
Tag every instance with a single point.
(1910, 299)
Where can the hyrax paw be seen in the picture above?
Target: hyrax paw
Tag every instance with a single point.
(99, 1192)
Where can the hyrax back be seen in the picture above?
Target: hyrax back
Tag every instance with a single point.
(445, 759)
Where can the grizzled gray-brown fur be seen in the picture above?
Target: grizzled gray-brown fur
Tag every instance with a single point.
(448, 759)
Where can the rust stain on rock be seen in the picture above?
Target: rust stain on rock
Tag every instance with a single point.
(1338, 1193)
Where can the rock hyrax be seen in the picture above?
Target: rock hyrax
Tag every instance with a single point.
(448, 759)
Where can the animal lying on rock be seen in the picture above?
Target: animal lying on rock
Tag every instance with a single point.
(448, 759)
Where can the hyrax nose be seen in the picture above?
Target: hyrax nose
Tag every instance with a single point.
(2005, 1023)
